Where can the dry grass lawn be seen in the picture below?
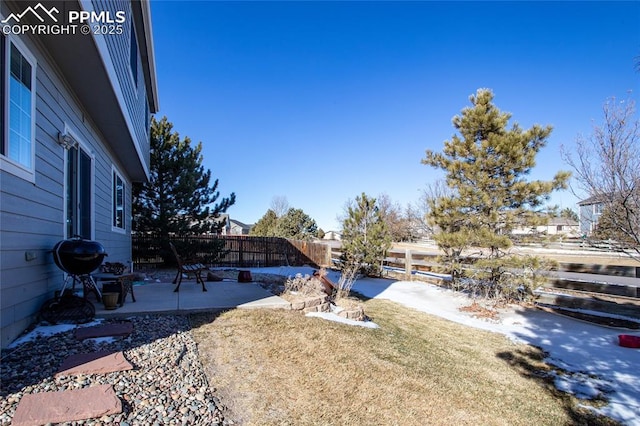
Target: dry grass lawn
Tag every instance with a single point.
(281, 368)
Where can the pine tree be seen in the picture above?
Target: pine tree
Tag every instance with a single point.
(568, 213)
(297, 225)
(266, 226)
(486, 167)
(179, 198)
(365, 237)
(294, 224)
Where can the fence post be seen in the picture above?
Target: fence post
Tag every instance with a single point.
(407, 264)
(327, 257)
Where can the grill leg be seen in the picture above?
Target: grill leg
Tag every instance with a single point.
(179, 279)
(88, 285)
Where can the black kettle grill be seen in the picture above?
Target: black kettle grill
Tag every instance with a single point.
(78, 256)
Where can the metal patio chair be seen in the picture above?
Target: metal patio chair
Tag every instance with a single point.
(187, 267)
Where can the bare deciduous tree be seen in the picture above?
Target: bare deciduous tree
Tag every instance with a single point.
(279, 205)
(397, 221)
(348, 276)
(607, 169)
(418, 214)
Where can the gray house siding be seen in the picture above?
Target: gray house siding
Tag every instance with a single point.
(135, 95)
(32, 214)
(590, 211)
(31, 219)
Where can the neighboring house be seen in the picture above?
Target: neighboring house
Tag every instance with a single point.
(561, 226)
(590, 211)
(332, 235)
(238, 228)
(232, 226)
(556, 226)
(74, 134)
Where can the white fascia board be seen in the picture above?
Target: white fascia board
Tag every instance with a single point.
(151, 58)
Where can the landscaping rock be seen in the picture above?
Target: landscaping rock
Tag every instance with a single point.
(356, 314)
(66, 406)
(100, 362)
(298, 306)
(106, 330)
(213, 277)
(157, 380)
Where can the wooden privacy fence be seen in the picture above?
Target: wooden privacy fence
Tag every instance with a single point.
(237, 251)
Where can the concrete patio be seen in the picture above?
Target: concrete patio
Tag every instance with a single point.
(159, 297)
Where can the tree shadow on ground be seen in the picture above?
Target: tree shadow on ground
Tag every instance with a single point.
(529, 362)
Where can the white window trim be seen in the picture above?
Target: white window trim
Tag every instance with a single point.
(81, 145)
(6, 163)
(597, 209)
(124, 195)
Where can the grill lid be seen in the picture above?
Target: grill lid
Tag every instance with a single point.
(78, 256)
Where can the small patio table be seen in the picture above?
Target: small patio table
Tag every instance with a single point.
(124, 280)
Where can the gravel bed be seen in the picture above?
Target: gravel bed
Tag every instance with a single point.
(166, 387)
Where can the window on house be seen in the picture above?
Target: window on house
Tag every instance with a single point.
(558, 228)
(78, 193)
(118, 201)
(18, 101)
(133, 55)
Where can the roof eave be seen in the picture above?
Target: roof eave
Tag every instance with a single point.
(142, 14)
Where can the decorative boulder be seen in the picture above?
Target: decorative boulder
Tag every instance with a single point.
(213, 277)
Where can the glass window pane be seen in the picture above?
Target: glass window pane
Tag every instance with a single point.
(114, 220)
(84, 194)
(25, 126)
(26, 73)
(16, 62)
(25, 100)
(20, 144)
(25, 152)
(20, 67)
(72, 168)
(14, 91)
(118, 201)
(14, 145)
(14, 118)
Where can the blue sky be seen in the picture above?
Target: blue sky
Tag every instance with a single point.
(321, 101)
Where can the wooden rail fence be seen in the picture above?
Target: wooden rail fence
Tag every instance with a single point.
(409, 262)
